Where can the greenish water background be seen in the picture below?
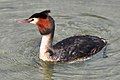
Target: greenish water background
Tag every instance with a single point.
(19, 43)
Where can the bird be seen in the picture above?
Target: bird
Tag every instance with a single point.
(73, 48)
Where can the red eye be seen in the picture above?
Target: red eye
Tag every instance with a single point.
(31, 20)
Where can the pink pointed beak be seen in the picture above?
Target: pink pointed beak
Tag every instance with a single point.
(24, 21)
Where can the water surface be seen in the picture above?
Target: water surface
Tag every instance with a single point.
(19, 43)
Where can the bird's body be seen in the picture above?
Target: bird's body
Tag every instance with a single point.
(77, 47)
(69, 49)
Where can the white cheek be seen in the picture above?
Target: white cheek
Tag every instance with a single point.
(34, 21)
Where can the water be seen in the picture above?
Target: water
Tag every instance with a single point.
(19, 43)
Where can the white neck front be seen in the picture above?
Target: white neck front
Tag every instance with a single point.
(46, 44)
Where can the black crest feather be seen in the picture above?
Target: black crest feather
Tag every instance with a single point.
(43, 14)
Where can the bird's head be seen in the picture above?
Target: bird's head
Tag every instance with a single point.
(44, 22)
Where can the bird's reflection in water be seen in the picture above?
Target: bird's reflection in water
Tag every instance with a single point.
(47, 69)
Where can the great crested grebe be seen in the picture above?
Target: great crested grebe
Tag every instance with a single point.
(69, 49)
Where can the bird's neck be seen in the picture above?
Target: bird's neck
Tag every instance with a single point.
(46, 44)
(47, 28)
